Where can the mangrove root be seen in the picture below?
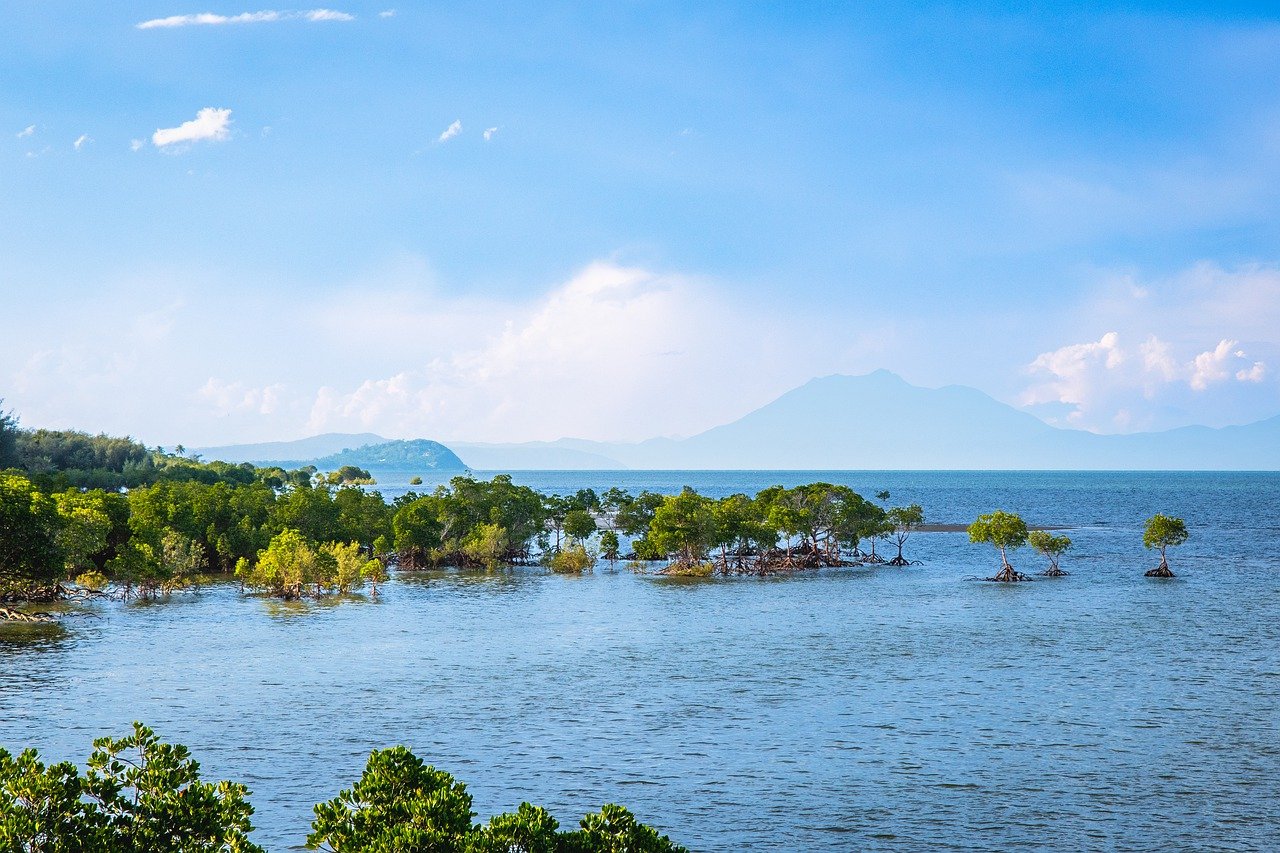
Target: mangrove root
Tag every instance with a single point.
(16, 616)
(1160, 571)
(1008, 575)
(1055, 572)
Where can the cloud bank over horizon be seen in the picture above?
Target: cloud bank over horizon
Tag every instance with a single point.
(615, 352)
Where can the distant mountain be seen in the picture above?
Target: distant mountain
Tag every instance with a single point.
(876, 421)
(418, 454)
(287, 451)
(879, 421)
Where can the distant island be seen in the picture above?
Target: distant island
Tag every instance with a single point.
(336, 450)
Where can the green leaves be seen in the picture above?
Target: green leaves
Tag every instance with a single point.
(1001, 529)
(1164, 531)
(138, 794)
(399, 805)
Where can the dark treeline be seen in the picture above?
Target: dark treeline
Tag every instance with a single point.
(145, 796)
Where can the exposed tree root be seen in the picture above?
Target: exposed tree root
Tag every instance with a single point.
(1008, 574)
(900, 561)
(1054, 572)
(16, 616)
(1161, 571)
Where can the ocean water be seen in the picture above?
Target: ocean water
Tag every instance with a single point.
(851, 709)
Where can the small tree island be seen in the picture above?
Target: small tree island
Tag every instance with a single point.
(1005, 530)
(1162, 532)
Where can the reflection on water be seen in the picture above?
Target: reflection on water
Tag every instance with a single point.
(22, 637)
(858, 708)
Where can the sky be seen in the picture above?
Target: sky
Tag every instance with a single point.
(462, 221)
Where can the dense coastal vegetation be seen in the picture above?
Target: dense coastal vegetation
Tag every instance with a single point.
(84, 516)
(140, 794)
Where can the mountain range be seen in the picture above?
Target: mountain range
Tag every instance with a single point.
(874, 421)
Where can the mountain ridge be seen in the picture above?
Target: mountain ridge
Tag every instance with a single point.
(879, 421)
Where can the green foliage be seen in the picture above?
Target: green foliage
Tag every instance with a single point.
(1005, 530)
(530, 829)
(349, 475)
(574, 558)
(347, 568)
(30, 553)
(609, 545)
(399, 805)
(8, 439)
(138, 794)
(417, 529)
(402, 805)
(579, 524)
(1163, 532)
(486, 544)
(415, 481)
(615, 830)
(683, 526)
(1053, 547)
(85, 528)
(285, 568)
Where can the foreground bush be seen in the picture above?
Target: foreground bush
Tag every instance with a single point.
(143, 796)
(138, 795)
(401, 805)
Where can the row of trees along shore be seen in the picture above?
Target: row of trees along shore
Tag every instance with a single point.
(292, 533)
(139, 794)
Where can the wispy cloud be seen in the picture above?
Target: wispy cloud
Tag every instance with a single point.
(81, 140)
(451, 131)
(387, 13)
(210, 124)
(489, 132)
(210, 19)
(29, 130)
(136, 144)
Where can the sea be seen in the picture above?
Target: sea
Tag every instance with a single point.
(860, 708)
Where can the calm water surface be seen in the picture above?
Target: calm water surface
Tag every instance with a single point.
(856, 709)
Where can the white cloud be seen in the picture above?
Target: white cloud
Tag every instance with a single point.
(1195, 347)
(451, 131)
(29, 130)
(615, 352)
(227, 398)
(81, 140)
(489, 132)
(136, 144)
(387, 13)
(209, 19)
(327, 15)
(210, 124)
(1104, 385)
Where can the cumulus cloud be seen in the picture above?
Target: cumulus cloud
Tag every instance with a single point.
(1104, 384)
(615, 352)
(209, 19)
(210, 124)
(81, 140)
(227, 398)
(1195, 347)
(489, 132)
(451, 131)
(29, 130)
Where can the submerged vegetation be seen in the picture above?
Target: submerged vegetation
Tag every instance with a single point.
(139, 794)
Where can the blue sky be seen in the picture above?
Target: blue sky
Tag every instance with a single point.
(263, 228)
